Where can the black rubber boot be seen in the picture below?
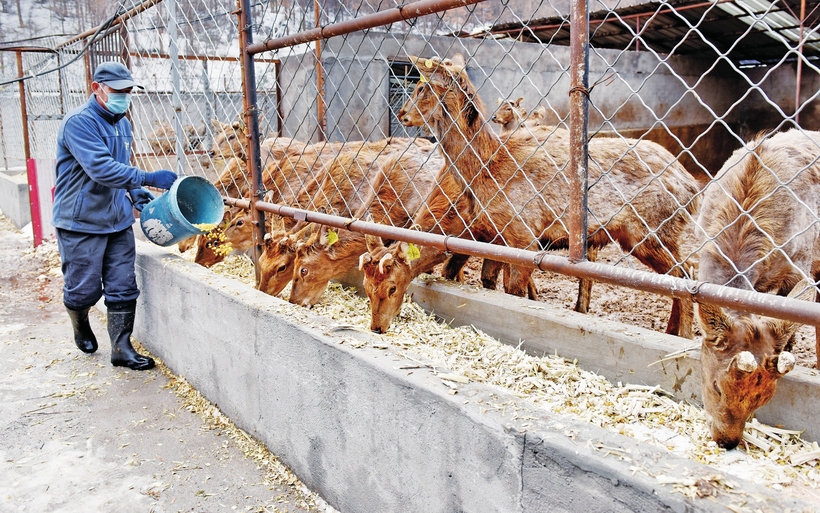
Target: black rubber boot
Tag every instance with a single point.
(83, 336)
(120, 326)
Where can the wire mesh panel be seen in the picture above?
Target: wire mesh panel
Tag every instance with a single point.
(457, 123)
(674, 90)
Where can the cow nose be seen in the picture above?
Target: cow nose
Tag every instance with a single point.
(728, 444)
(376, 330)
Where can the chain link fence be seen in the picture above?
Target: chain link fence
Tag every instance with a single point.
(458, 127)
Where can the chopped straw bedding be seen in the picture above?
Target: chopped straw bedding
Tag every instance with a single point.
(773, 456)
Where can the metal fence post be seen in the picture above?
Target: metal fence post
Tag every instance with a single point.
(251, 109)
(31, 169)
(578, 123)
(176, 101)
(321, 121)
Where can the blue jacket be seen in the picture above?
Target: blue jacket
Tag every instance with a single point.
(93, 171)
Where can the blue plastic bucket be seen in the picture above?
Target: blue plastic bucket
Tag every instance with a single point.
(171, 218)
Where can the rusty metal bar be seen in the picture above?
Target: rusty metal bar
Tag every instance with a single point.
(578, 124)
(251, 111)
(805, 312)
(62, 81)
(280, 118)
(799, 73)
(320, 78)
(159, 55)
(617, 19)
(88, 73)
(31, 165)
(125, 55)
(122, 18)
(386, 17)
(33, 49)
(23, 107)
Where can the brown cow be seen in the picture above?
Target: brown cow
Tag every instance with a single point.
(278, 254)
(233, 235)
(515, 193)
(764, 236)
(405, 180)
(339, 185)
(512, 116)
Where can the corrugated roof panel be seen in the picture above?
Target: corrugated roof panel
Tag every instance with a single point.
(742, 30)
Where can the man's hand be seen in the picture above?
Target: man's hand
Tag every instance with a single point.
(162, 179)
(140, 197)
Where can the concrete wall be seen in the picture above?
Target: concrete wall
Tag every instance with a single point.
(14, 197)
(298, 100)
(370, 436)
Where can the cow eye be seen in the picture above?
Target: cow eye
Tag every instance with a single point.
(240, 222)
(282, 268)
(392, 290)
(716, 388)
(303, 271)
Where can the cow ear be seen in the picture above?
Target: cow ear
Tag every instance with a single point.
(321, 236)
(785, 330)
(403, 252)
(373, 243)
(804, 290)
(458, 61)
(518, 102)
(240, 122)
(714, 321)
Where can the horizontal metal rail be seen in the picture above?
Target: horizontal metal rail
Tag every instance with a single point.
(147, 4)
(386, 17)
(598, 21)
(31, 49)
(150, 54)
(805, 312)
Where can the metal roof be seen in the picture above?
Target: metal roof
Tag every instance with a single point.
(748, 32)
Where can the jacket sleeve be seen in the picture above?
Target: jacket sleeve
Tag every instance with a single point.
(85, 142)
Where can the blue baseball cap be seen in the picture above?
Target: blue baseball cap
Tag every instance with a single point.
(114, 75)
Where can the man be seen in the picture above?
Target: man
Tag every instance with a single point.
(93, 199)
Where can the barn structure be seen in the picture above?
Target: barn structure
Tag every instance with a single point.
(240, 92)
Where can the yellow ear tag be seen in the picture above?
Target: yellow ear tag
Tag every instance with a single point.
(332, 238)
(428, 63)
(413, 252)
(423, 79)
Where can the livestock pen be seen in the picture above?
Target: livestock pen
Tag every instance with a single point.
(355, 143)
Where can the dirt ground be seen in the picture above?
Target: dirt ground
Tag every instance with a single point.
(79, 435)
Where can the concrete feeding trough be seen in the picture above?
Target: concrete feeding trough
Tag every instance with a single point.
(346, 415)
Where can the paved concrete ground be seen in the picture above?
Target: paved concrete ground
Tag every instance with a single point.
(78, 435)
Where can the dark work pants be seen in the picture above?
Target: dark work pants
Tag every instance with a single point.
(95, 264)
